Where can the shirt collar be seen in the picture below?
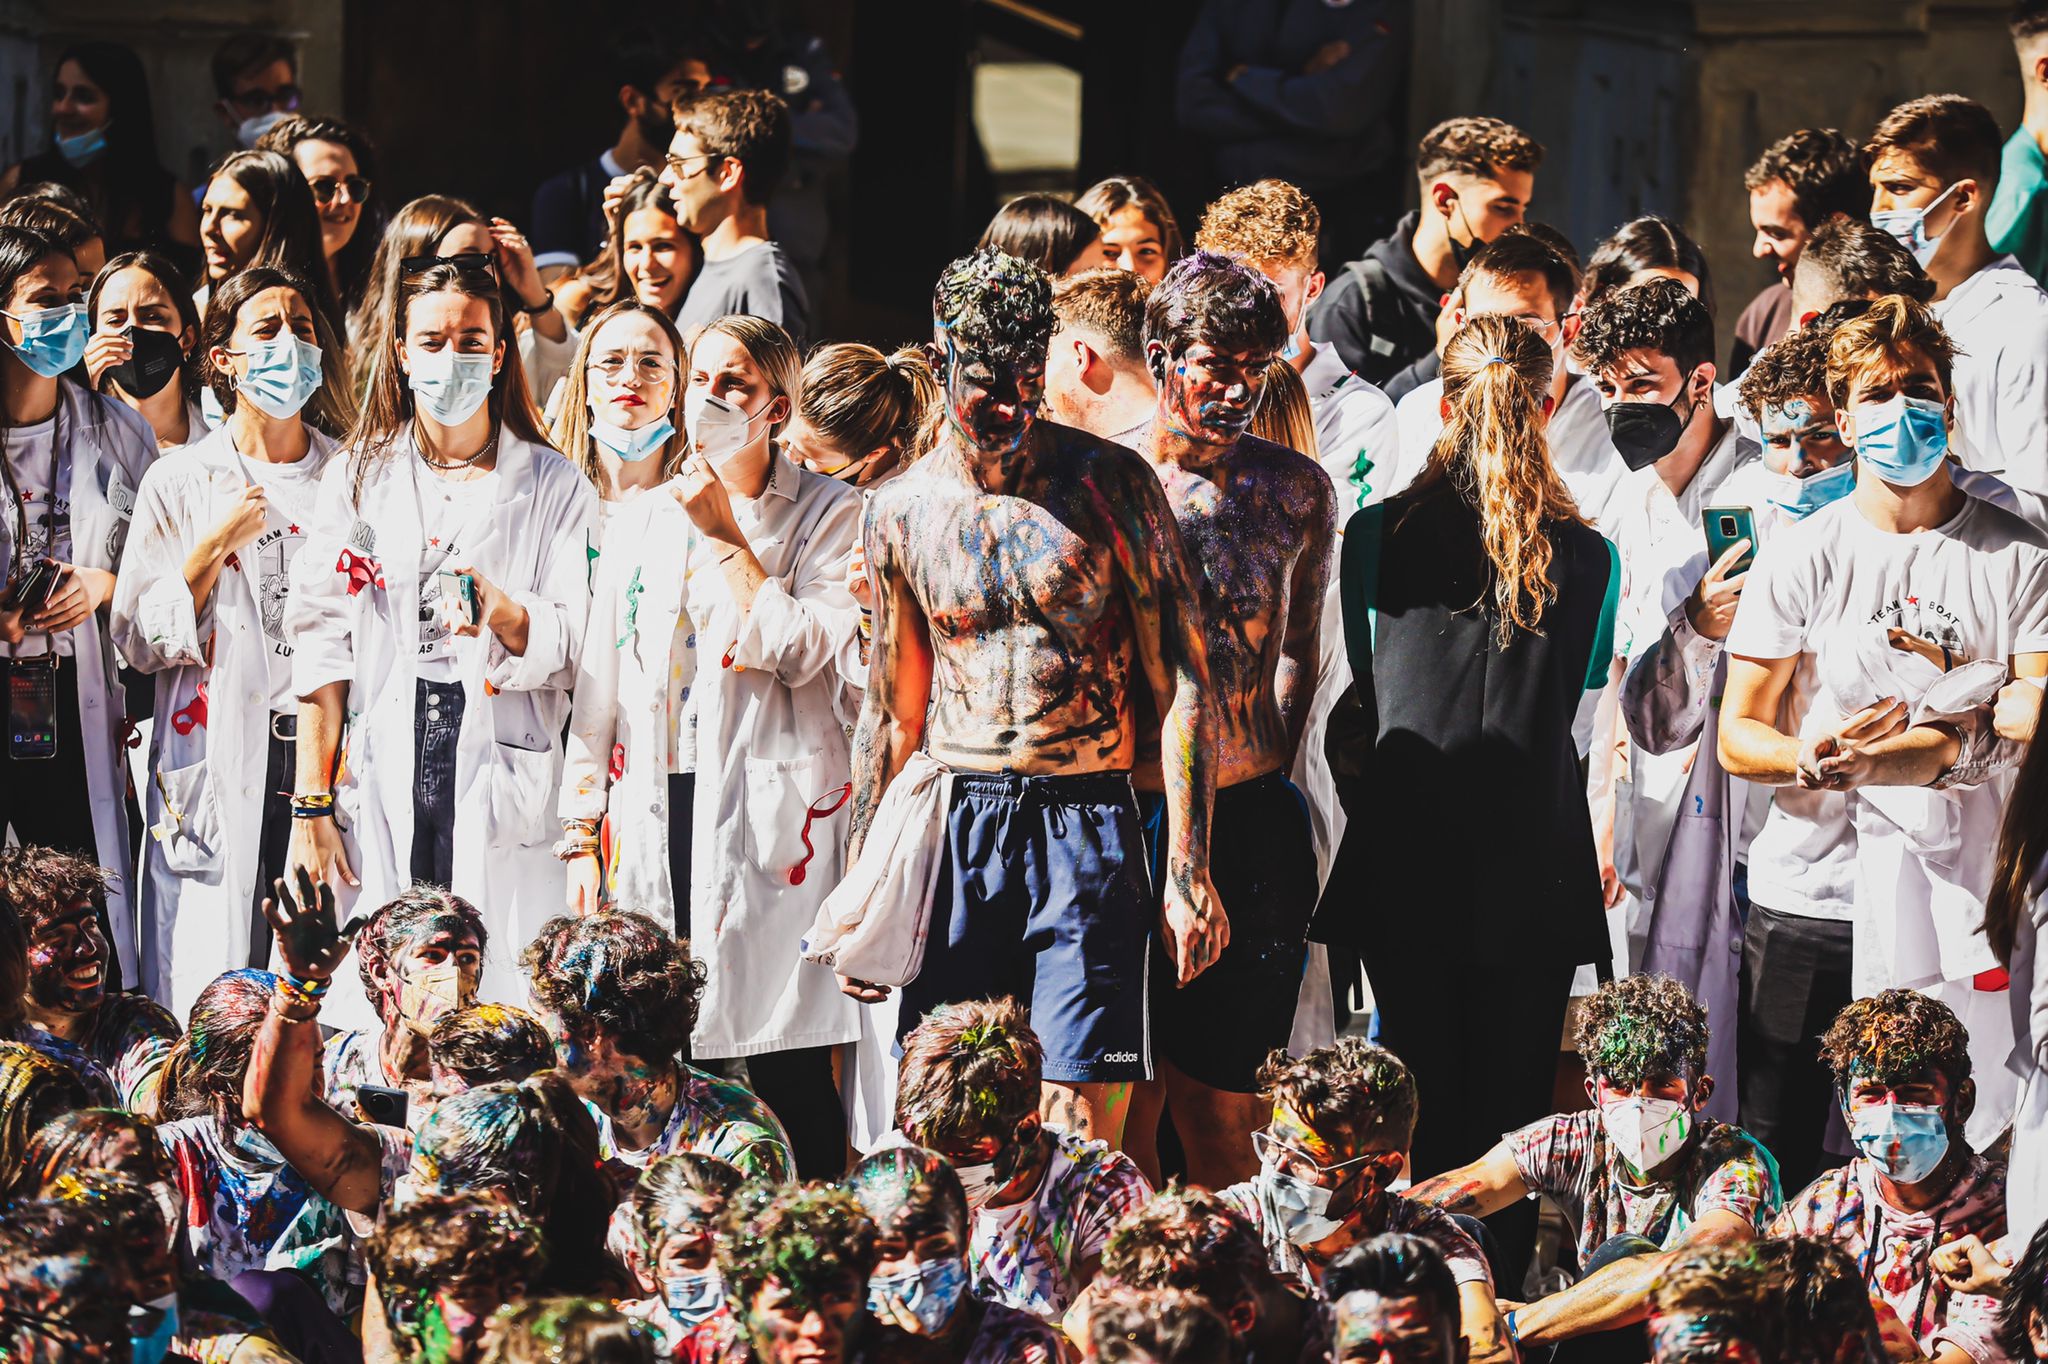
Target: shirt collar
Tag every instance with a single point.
(783, 476)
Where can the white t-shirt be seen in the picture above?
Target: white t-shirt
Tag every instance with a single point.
(454, 516)
(49, 521)
(1999, 319)
(1977, 585)
(289, 492)
(1029, 1255)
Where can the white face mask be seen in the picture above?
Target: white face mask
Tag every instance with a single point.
(253, 128)
(717, 428)
(1646, 1132)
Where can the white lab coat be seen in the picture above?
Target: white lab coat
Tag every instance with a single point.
(1999, 319)
(1358, 440)
(769, 743)
(620, 721)
(111, 447)
(534, 547)
(199, 872)
(2026, 1189)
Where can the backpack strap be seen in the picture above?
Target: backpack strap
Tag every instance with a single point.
(1373, 286)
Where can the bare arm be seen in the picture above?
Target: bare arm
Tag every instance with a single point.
(1480, 1189)
(899, 687)
(1479, 1322)
(1751, 745)
(1301, 649)
(316, 846)
(1619, 1295)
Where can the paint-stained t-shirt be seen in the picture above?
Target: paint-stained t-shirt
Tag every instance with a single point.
(1569, 1158)
(1405, 1217)
(712, 1117)
(1029, 1255)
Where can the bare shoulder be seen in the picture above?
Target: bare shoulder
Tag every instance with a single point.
(1295, 469)
(1078, 458)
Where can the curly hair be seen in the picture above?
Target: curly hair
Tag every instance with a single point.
(1350, 1085)
(1872, 344)
(695, 1186)
(1159, 1326)
(750, 126)
(1722, 1292)
(992, 303)
(552, 1330)
(203, 1074)
(1268, 222)
(969, 1070)
(911, 1192)
(1637, 1028)
(1824, 170)
(806, 1238)
(34, 1089)
(418, 912)
(1215, 300)
(621, 972)
(489, 1042)
(1793, 1298)
(1187, 1238)
(1896, 1036)
(1952, 137)
(1475, 146)
(1657, 315)
(442, 1240)
(111, 1140)
(2026, 1296)
(1795, 366)
(37, 882)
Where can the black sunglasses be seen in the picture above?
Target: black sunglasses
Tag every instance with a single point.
(465, 261)
(327, 186)
(253, 102)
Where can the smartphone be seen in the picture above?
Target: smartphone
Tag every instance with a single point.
(38, 581)
(383, 1106)
(32, 707)
(1726, 525)
(459, 588)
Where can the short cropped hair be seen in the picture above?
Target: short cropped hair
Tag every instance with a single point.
(1109, 303)
(1350, 1085)
(969, 1070)
(1852, 259)
(1640, 1027)
(1394, 1265)
(1874, 340)
(1187, 1238)
(804, 1237)
(621, 972)
(750, 126)
(1214, 300)
(1896, 1036)
(1657, 315)
(2029, 20)
(1825, 171)
(485, 1043)
(1950, 136)
(1268, 222)
(1514, 254)
(1794, 366)
(242, 53)
(1162, 1326)
(992, 303)
(1475, 146)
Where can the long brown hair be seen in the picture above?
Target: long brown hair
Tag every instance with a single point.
(572, 418)
(332, 407)
(290, 239)
(387, 410)
(1284, 416)
(606, 276)
(1497, 373)
(415, 230)
(2022, 850)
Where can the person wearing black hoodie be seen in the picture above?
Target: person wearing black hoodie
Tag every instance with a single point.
(1380, 312)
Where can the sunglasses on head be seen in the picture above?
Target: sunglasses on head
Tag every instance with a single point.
(465, 261)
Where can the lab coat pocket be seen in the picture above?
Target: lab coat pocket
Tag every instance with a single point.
(778, 797)
(519, 795)
(188, 833)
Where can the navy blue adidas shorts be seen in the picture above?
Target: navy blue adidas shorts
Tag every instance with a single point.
(1262, 859)
(1043, 895)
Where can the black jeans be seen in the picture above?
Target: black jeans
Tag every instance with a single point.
(682, 797)
(437, 723)
(1795, 979)
(274, 834)
(798, 1088)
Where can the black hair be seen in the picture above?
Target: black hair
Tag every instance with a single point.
(992, 302)
(1043, 229)
(128, 189)
(1825, 171)
(1657, 315)
(1647, 243)
(1525, 253)
(2026, 1295)
(177, 285)
(241, 53)
(1857, 261)
(1217, 300)
(1395, 1266)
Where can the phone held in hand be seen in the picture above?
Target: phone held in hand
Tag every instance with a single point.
(459, 591)
(38, 581)
(32, 707)
(1726, 525)
(382, 1105)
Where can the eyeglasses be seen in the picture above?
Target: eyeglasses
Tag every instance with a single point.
(648, 369)
(1545, 329)
(676, 163)
(325, 187)
(253, 102)
(1277, 1155)
(464, 261)
(820, 809)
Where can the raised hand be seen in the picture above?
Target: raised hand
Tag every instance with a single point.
(308, 942)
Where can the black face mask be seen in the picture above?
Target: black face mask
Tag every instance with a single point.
(1462, 252)
(1644, 433)
(154, 363)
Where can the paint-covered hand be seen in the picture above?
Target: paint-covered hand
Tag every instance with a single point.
(1196, 928)
(894, 1312)
(309, 943)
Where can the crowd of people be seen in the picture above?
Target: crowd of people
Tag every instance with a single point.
(1228, 804)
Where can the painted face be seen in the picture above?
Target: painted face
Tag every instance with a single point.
(1375, 1330)
(991, 400)
(67, 960)
(436, 974)
(1355, 1170)
(788, 1328)
(1800, 436)
(1698, 1338)
(1210, 395)
(78, 1311)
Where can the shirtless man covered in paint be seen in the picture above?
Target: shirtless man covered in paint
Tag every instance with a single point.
(1026, 576)
(1258, 521)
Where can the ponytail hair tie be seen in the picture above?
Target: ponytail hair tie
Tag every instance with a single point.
(1495, 360)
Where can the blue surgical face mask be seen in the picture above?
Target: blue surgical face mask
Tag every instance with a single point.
(450, 386)
(1800, 498)
(82, 149)
(1906, 1141)
(282, 376)
(152, 1348)
(1903, 439)
(1909, 225)
(931, 1291)
(690, 1298)
(52, 339)
(632, 445)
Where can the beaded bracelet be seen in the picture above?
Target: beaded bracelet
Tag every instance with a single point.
(319, 805)
(303, 993)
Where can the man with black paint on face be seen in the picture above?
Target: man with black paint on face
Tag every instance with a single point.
(1030, 582)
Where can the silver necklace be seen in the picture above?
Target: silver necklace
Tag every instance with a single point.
(420, 448)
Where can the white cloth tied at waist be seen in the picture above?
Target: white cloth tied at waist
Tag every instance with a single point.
(873, 925)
